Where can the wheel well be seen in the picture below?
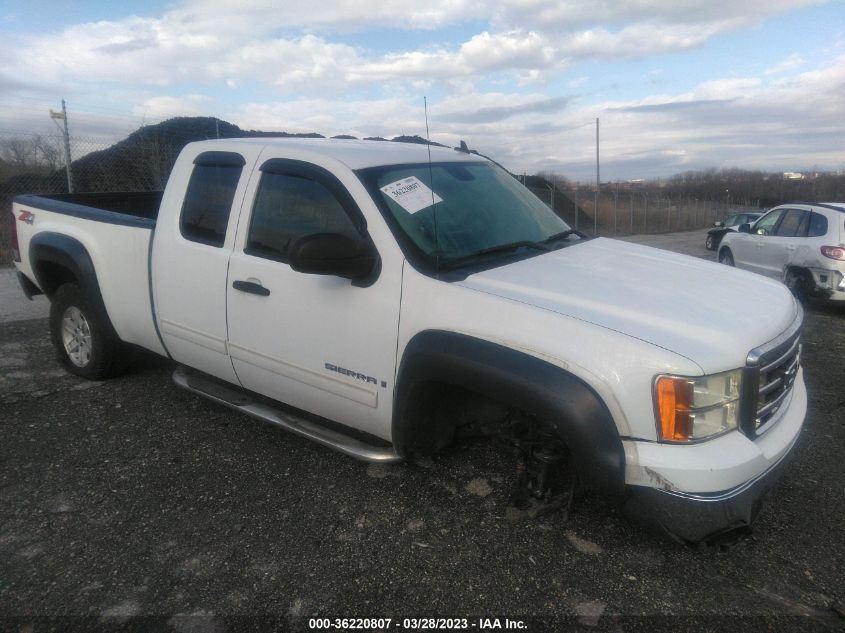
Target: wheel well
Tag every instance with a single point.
(52, 275)
(800, 270)
(58, 259)
(806, 286)
(447, 378)
(436, 410)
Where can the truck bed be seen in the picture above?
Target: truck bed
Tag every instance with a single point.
(115, 230)
(133, 208)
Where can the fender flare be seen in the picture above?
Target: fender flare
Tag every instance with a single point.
(533, 385)
(69, 253)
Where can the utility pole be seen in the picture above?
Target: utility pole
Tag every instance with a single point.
(598, 184)
(62, 116)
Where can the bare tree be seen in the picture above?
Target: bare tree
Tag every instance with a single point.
(48, 151)
(31, 151)
(18, 151)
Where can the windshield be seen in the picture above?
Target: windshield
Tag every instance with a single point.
(478, 209)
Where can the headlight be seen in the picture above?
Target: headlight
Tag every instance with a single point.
(690, 409)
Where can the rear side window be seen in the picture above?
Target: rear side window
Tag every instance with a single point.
(208, 200)
(290, 207)
(818, 225)
(791, 224)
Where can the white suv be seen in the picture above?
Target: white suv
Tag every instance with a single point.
(801, 244)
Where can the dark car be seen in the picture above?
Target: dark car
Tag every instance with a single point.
(731, 223)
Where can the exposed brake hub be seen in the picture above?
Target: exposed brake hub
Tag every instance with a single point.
(545, 477)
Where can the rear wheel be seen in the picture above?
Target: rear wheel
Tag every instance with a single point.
(726, 257)
(710, 243)
(80, 338)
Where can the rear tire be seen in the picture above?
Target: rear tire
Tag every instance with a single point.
(726, 257)
(710, 243)
(80, 337)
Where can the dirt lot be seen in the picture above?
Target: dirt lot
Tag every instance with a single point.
(132, 503)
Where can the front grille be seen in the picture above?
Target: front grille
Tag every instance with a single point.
(770, 373)
(775, 383)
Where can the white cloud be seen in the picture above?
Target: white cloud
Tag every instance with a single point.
(790, 63)
(737, 121)
(263, 16)
(359, 117)
(637, 40)
(163, 107)
(213, 40)
(574, 14)
(327, 85)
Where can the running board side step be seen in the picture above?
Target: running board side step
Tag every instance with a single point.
(240, 400)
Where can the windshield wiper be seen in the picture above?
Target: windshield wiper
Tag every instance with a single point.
(492, 250)
(510, 246)
(562, 235)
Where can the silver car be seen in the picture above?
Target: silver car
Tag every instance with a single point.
(802, 244)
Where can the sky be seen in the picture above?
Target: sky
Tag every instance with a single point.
(677, 85)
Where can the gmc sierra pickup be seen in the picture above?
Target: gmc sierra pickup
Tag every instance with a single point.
(381, 298)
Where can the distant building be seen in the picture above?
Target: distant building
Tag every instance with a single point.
(793, 175)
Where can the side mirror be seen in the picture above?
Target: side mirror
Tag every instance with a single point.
(744, 228)
(718, 223)
(332, 254)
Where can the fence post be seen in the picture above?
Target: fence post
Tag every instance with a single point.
(680, 214)
(616, 208)
(596, 210)
(575, 202)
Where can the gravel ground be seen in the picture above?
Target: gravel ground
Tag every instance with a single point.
(133, 504)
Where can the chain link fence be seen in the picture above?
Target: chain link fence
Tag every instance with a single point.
(34, 163)
(624, 209)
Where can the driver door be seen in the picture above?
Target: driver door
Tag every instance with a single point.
(317, 342)
(748, 249)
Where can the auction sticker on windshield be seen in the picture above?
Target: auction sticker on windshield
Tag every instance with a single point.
(411, 194)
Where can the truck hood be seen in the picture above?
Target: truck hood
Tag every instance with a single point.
(710, 313)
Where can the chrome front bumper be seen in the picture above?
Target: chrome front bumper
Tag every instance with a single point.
(699, 517)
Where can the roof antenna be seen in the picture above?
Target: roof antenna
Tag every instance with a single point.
(431, 186)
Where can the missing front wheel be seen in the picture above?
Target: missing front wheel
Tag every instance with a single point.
(545, 477)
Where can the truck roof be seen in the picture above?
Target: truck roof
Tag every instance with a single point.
(354, 154)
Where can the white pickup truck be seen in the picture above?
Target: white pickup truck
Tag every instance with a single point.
(391, 294)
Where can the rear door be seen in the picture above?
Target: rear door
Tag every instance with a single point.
(317, 342)
(191, 253)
